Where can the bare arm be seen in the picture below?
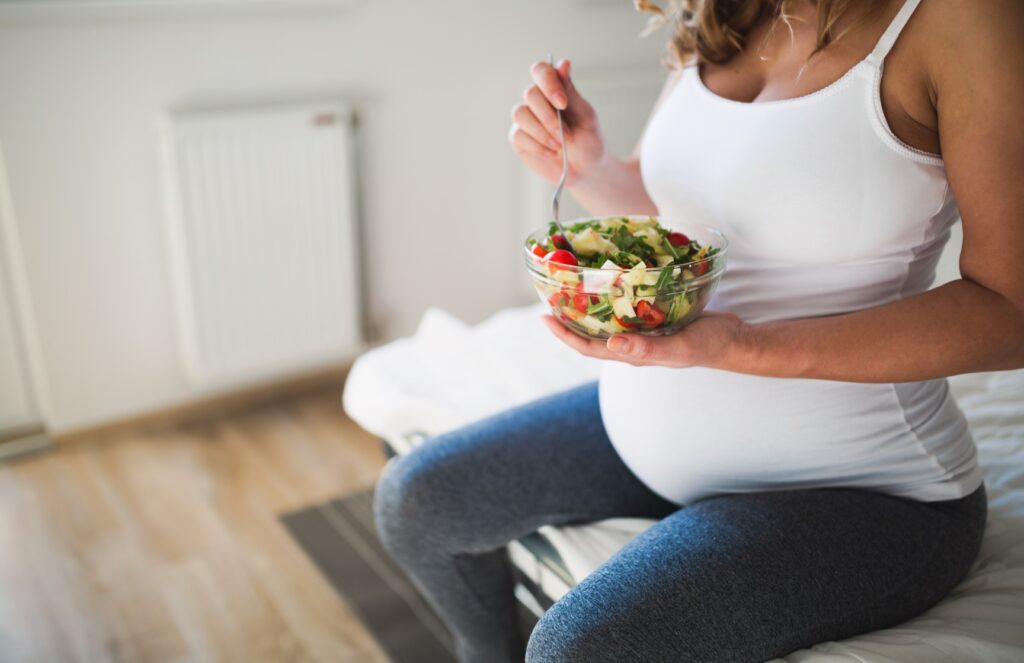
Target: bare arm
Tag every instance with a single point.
(973, 324)
(977, 322)
(603, 183)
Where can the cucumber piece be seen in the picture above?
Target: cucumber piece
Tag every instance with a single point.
(591, 324)
(635, 276)
(589, 242)
(564, 276)
(623, 307)
(681, 305)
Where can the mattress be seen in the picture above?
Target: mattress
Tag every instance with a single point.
(448, 374)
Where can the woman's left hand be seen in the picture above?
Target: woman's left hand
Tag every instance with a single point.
(712, 341)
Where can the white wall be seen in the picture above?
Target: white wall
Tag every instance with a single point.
(17, 407)
(443, 201)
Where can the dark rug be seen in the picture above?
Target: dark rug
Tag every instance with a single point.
(340, 538)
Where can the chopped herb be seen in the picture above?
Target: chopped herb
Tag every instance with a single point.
(663, 278)
(624, 259)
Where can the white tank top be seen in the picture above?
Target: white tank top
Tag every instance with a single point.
(826, 212)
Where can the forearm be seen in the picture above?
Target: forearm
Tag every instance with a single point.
(612, 186)
(960, 327)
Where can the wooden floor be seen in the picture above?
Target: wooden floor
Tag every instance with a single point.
(167, 546)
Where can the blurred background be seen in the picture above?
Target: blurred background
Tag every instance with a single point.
(113, 157)
(208, 209)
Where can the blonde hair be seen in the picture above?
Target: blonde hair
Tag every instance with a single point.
(716, 30)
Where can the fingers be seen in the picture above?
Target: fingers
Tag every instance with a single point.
(579, 113)
(525, 145)
(588, 347)
(640, 350)
(564, 71)
(542, 109)
(549, 82)
(528, 122)
(634, 347)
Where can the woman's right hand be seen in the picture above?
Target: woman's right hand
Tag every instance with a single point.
(534, 132)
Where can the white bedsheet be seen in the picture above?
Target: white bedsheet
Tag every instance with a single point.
(449, 373)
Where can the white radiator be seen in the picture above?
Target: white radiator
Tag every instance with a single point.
(263, 237)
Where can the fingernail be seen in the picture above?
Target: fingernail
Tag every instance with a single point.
(561, 101)
(619, 344)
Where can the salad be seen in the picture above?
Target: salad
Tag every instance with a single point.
(623, 274)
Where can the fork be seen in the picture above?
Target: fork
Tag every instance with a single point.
(556, 198)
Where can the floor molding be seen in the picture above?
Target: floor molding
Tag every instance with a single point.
(25, 445)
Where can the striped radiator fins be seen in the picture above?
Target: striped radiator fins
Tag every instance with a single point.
(263, 239)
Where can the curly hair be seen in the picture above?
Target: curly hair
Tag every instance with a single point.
(716, 30)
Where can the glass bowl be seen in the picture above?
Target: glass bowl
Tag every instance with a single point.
(651, 300)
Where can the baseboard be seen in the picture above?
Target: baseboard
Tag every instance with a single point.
(211, 407)
(25, 445)
(19, 432)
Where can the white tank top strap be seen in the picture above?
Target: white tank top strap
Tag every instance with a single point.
(892, 33)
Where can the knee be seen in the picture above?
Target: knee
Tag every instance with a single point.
(561, 637)
(547, 643)
(416, 505)
(399, 502)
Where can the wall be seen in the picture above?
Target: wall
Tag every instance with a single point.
(17, 406)
(436, 81)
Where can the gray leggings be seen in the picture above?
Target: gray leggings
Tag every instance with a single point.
(740, 577)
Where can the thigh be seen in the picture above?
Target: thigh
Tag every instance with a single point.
(546, 462)
(755, 576)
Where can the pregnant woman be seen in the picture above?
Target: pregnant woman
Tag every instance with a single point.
(811, 475)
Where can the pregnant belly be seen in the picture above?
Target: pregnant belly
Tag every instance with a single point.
(690, 433)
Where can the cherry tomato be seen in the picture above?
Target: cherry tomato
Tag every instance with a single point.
(651, 315)
(580, 302)
(626, 325)
(701, 268)
(678, 239)
(559, 299)
(562, 258)
(593, 299)
(539, 251)
(561, 242)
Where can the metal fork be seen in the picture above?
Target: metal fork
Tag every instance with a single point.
(556, 198)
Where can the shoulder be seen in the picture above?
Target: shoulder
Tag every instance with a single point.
(971, 17)
(961, 41)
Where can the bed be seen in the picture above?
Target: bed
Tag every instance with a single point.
(449, 373)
